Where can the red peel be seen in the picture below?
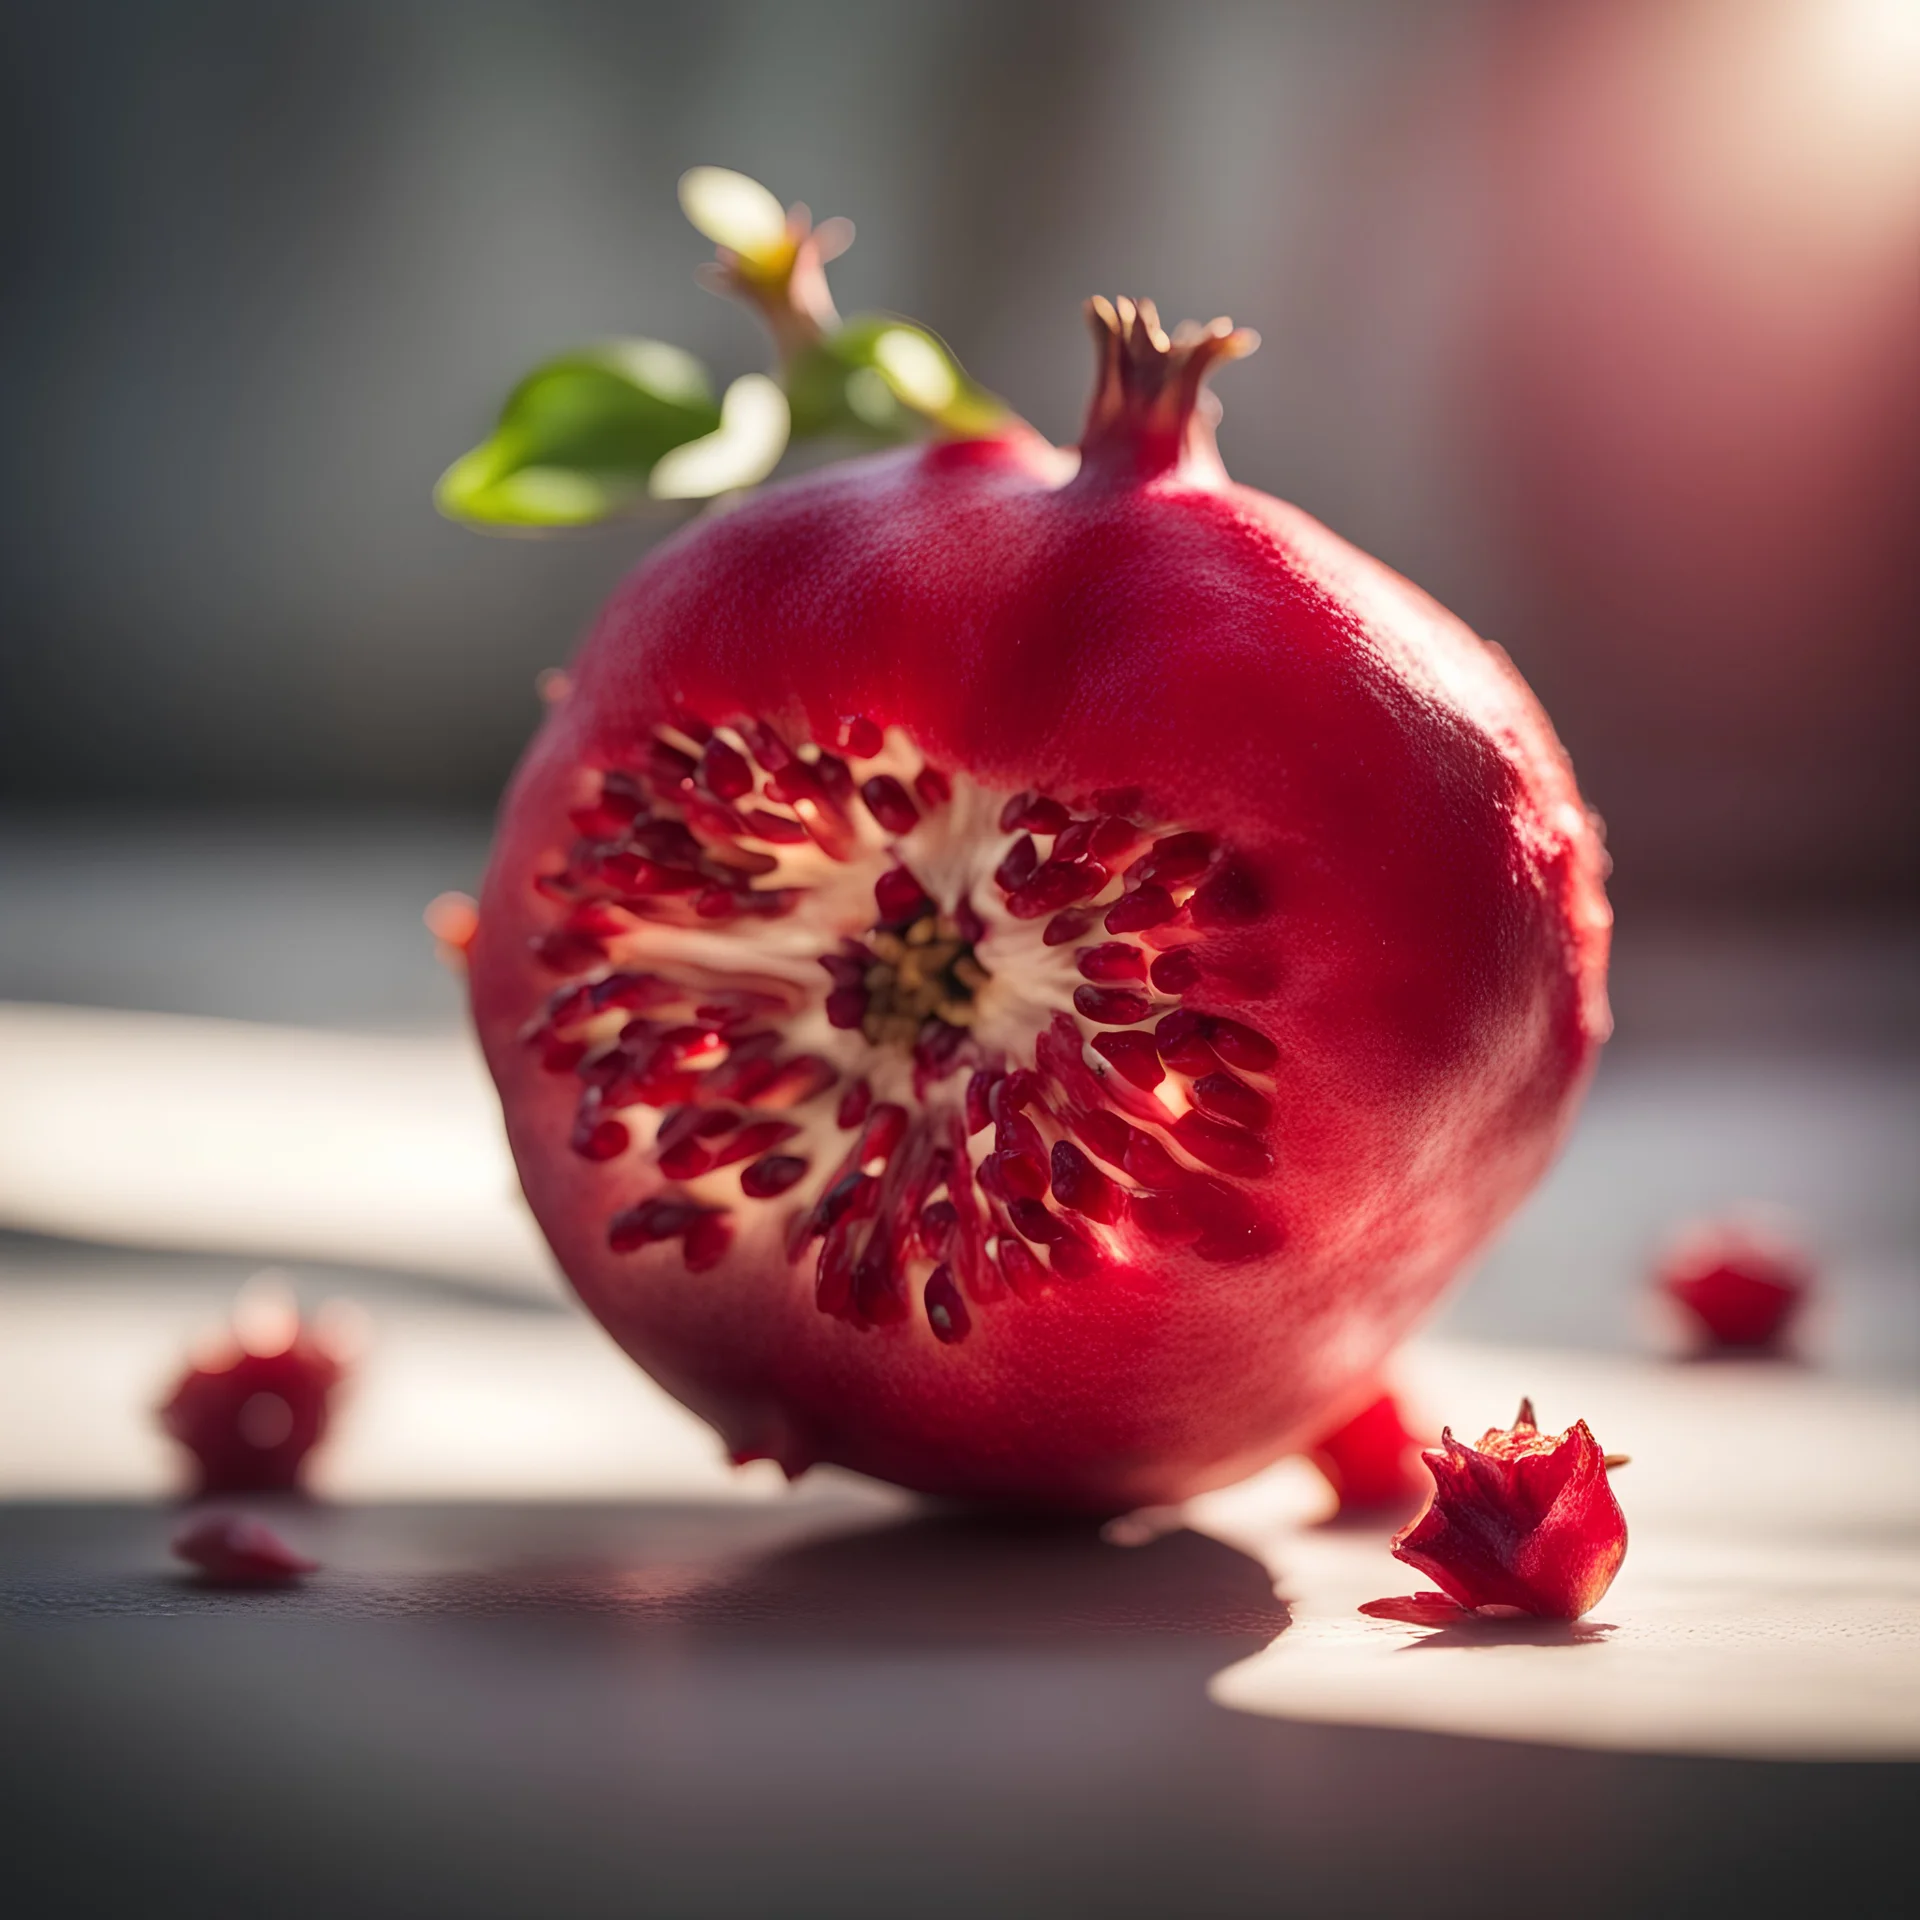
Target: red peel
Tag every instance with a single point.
(1524, 1520)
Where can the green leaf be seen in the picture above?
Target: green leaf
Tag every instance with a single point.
(883, 378)
(579, 439)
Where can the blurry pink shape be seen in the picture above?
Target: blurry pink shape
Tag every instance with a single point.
(233, 1551)
(1741, 1286)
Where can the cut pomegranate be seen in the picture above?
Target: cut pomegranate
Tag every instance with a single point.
(231, 1550)
(1740, 1286)
(1525, 1520)
(255, 1403)
(1168, 943)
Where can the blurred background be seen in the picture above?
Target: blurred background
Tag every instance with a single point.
(1596, 319)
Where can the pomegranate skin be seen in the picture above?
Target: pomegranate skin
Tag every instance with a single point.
(1414, 918)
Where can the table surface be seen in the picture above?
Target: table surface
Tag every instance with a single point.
(829, 1702)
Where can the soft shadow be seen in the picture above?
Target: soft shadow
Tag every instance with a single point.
(1514, 1633)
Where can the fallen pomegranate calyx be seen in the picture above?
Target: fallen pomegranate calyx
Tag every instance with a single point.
(1740, 1286)
(1525, 1520)
(233, 1550)
(1372, 1462)
(254, 1402)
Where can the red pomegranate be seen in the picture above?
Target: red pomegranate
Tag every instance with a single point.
(1024, 974)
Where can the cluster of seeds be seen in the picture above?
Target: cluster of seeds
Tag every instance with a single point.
(1133, 1120)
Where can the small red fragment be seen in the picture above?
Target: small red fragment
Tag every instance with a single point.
(233, 1551)
(1740, 1286)
(1419, 1610)
(1525, 1520)
(252, 1410)
(1373, 1462)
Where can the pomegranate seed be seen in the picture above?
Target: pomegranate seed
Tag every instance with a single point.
(1116, 960)
(1076, 842)
(971, 927)
(1225, 1148)
(857, 735)
(751, 1142)
(1241, 1046)
(800, 1079)
(1162, 1216)
(886, 1128)
(1226, 1098)
(601, 1139)
(1015, 1093)
(900, 897)
(1021, 1271)
(1178, 857)
(1112, 836)
(562, 1056)
(947, 1313)
(1011, 813)
(724, 771)
(846, 1007)
(685, 1160)
(1229, 897)
(693, 726)
(1117, 799)
(1041, 815)
(852, 1196)
(1147, 906)
(1017, 1134)
(707, 1242)
(668, 766)
(933, 787)
(1022, 859)
(1133, 1056)
(876, 1287)
(716, 903)
(833, 1284)
(847, 969)
(853, 1106)
(565, 951)
(1074, 1256)
(938, 1220)
(773, 1175)
(651, 1220)
(775, 827)
(668, 842)
(1182, 1045)
(888, 802)
(1014, 1176)
(1112, 1006)
(1033, 1222)
(1106, 1133)
(979, 1088)
(1055, 885)
(835, 778)
(769, 749)
(1176, 971)
(1079, 1184)
(1068, 926)
(1150, 1163)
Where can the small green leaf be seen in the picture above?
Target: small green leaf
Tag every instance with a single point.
(882, 378)
(579, 439)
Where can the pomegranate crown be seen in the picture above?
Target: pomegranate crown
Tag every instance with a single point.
(1150, 411)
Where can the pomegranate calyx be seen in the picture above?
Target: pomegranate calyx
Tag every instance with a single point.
(1149, 414)
(1525, 1519)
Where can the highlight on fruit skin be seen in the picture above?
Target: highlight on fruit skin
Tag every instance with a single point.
(1023, 971)
(1525, 1521)
(1371, 1461)
(255, 1400)
(235, 1550)
(1741, 1285)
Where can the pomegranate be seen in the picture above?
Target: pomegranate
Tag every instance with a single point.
(1023, 972)
(1740, 1286)
(1525, 1521)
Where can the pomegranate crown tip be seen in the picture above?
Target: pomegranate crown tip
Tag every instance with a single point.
(1151, 413)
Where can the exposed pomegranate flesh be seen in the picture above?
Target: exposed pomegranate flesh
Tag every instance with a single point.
(1525, 1520)
(1741, 1288)
(1024, 976)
